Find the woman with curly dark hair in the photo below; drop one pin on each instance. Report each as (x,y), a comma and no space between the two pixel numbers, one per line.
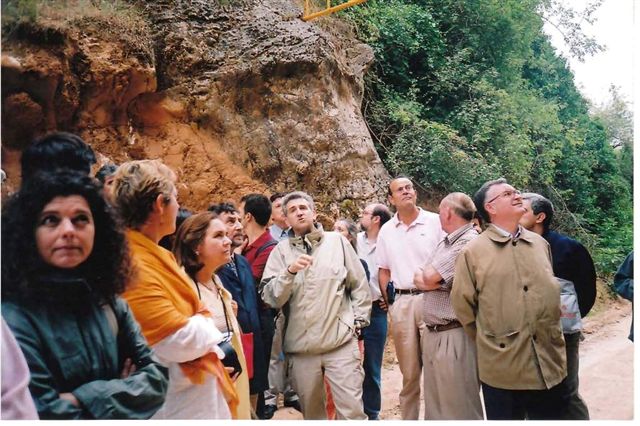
(64,262)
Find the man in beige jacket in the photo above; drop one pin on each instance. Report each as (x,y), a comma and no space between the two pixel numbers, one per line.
(320,284)
(506,297)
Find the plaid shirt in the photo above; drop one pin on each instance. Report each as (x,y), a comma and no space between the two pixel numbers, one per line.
(436,304)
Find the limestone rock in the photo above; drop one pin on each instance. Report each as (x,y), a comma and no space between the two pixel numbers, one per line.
(237,98)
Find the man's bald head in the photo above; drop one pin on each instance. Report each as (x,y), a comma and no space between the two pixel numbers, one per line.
(461,204)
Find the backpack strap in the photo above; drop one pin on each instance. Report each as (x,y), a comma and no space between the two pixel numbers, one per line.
(265,246)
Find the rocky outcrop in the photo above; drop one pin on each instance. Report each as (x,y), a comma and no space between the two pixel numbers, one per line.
(238,98)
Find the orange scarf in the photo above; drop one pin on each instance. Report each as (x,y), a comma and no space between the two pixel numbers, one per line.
(162,301)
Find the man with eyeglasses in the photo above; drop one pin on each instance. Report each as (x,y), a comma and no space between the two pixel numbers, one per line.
(405,244)
(571,262)
(374,335)
(507,299)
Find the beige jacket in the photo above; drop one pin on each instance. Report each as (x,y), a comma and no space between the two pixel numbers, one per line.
(324,303)
(242,382)
(506,297)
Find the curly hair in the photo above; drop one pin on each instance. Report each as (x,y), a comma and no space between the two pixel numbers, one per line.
(106,270)
(136,186)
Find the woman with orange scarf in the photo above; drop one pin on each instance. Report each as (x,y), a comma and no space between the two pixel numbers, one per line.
(201,247)
(179,329)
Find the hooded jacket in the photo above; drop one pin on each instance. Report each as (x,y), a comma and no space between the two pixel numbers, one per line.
(324,303)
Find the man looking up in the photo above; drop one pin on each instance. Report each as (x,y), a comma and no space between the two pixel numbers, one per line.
(405,243)
(572,262)
(237,278)
(451,386)
(508,300)
(375,335)
(279,226)
(319,281)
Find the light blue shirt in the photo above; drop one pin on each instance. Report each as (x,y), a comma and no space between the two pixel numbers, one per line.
(278,233)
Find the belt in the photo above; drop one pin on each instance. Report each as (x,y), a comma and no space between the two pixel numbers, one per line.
(445,327)
(409,291)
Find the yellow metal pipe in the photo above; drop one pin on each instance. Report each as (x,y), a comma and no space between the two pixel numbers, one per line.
(331,10)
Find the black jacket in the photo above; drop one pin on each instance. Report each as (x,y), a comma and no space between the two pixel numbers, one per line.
(243,290)
(572,262)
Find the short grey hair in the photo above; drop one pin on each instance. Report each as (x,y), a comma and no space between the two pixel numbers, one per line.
(540,204)
(294,196)
(480,197)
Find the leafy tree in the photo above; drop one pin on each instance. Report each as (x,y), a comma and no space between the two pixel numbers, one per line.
(463,91)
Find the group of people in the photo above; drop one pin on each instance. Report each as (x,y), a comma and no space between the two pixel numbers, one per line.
(120,304)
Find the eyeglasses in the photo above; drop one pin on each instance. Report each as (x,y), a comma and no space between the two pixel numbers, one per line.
(509,193)
(365,213)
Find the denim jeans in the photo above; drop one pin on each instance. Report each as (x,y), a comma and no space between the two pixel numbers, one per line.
(374,336)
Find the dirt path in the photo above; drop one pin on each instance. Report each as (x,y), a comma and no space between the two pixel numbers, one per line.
(606,365)
(606,368)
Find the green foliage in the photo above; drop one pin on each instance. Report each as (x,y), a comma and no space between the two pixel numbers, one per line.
(464,91)
(445,153)
(116,20)
(14,10)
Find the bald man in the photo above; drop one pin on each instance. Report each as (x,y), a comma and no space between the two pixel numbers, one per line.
(450,372)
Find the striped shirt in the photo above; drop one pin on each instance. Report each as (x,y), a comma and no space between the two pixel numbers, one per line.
(436,304)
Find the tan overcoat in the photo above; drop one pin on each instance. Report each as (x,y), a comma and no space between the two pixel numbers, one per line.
(505,295)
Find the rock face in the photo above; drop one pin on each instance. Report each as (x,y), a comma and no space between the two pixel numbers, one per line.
(238,98)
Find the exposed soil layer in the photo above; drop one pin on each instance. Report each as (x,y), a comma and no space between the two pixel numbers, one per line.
(236,99)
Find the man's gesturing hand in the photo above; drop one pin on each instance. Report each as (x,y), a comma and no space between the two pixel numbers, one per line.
(302,262)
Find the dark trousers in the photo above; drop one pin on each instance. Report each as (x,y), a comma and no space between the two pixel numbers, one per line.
(267,330)
(507,404)
(577,409)
(374,337)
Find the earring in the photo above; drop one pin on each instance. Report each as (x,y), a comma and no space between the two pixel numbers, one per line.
(197,253)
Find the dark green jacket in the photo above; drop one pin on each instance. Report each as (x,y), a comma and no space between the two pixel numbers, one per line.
(77,352)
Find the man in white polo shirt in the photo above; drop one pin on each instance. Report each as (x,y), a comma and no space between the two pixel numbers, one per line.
(405,244)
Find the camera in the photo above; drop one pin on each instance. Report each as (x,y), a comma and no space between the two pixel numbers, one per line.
(230,356)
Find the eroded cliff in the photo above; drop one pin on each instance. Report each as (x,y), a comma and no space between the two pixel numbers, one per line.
(236,98)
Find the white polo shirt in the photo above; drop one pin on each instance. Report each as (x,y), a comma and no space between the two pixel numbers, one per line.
(367,252)
(403,249)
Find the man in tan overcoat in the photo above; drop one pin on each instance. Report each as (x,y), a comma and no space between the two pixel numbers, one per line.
(507,299)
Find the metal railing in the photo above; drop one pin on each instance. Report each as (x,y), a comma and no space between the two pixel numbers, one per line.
(309,14)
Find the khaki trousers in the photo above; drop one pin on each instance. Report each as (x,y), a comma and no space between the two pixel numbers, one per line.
(344,373)
(407,329)
(451,383)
